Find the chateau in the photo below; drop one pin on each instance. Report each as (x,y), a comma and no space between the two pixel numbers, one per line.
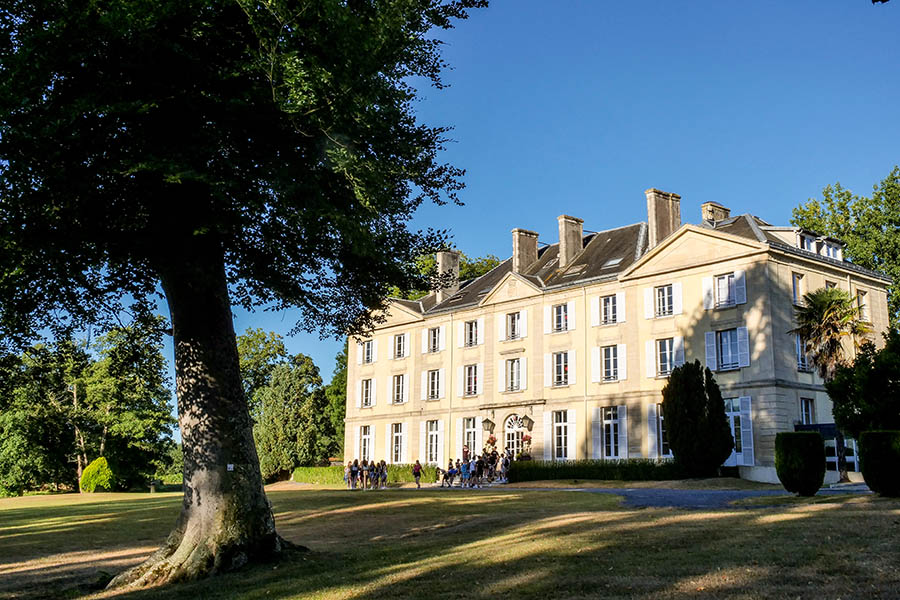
(562,351)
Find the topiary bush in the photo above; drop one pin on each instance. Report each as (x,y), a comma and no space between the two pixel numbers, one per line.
(800,461)
(879,456)
(97,477)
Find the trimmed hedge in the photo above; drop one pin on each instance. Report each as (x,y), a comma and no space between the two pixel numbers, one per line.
(97,477)
(633,469)
(879,457)
(800,461)
(335,475)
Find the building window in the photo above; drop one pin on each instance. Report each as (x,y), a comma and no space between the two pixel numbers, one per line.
(725,295)
(727,349)
(733,414)
(862,306)
(665,356)
(610,416)
(561,317)
(610,363)
(664,301)
(661,434)
(368,351)
(832,251)
(471,333)
(560,435)
(808,243)
(515,434)
(513,332)
(797,288)
(469,434)
(431,447)
(830,284)
(434,339)
(396,442)
(807,411)
(365,442)
(434,384)
(608,310)
(399,345)
(560,368)
(471,380)
(398,393)
(802,358)
(366,392)
(513,375)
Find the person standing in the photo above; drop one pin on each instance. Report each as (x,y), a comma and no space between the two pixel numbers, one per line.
(364,475)
(354,474)
(383,474)
(347,473)
(417,474)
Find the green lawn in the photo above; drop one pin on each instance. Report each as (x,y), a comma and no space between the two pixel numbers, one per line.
(482,543)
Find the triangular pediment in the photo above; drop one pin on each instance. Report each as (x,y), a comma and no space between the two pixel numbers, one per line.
(512,287)
(692,246)
(398,314)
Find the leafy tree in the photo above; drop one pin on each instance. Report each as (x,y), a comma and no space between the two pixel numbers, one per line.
(694,412)
(826,318)
(866,393)
(336,393)
(170,467)
(426,265)
(259,352)
(261,153)
(870,226)
(98,476)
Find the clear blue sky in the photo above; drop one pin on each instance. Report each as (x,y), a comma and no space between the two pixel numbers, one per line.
(578,107)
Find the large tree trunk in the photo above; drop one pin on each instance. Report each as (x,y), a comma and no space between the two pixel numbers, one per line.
(226,520)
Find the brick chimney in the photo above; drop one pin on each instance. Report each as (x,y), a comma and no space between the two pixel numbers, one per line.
(663,215)
(713,211)
(525,249)
(570,238)
(448,262)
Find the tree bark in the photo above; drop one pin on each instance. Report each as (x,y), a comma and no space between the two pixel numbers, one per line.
(226,520)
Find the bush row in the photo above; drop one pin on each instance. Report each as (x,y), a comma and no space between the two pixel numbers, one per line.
(335,475)
(633,469)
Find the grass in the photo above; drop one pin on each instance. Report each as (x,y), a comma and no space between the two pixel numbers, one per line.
(491,543)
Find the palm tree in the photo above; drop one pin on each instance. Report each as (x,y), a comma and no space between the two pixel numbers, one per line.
(826,317)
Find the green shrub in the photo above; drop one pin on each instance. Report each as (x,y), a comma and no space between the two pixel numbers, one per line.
(879,456)
(636,469)
(97,477)
(335,475)
(800,461)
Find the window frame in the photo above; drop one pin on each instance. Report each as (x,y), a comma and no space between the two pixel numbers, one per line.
(609,310)
(662,434)
(730,299)
(610,423)
(432,441)
(609,355)
(797,288)
(803,364)
(560,317)
(434,384)
(669,352)
(368,352)
(400,345)
(862,306)
(398,383)
(470,380)
(560,361)
(513,327)
(396,443)
(664,300)
(365,442)
(470,434)
(560,435)
(434,340)
(733,350)
(513,374)
(470,334)
(807,411)
(366,393)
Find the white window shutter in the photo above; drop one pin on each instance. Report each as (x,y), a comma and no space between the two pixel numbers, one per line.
(621,356)
(623,432)
(407,383)
(374,389)
(677,302)
(440,448)
(620,307)
(711,360)
(570,315)
(595,311)
(648,303)
(359,353)
(374,350)
(523,373)
(357,449)
(548,370)
(596,433)
(460,382)
(740,288)
(424,391)
(459,437)
(460,333)
(424,341)
(708,299)
(650,354)
(746,432)
(480,325)
(743,347)
(389,387)
(422,438)
(388,444)
(571,435)
(404,442)
(501,327)
(406,345)
(596,365)
(678,343)
(523,323)
(479,436)
(359,393)
(652,447)
(479,378)
(441,383)
(573,360)
(548,326)
(500,377)
(442,337)
(548,435)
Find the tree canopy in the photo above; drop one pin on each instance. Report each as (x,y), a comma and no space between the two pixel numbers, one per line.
(426,265)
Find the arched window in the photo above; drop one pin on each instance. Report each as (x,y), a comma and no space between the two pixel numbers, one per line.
(515,429)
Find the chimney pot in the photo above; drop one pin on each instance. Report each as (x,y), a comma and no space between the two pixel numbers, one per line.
(713,211)
(663,215)
(448,262)
(525,249)
(570,238)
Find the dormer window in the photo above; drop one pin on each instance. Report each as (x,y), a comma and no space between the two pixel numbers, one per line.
(831,250)
(807,242)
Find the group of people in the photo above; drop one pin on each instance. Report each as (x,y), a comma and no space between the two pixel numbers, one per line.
(368,475)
